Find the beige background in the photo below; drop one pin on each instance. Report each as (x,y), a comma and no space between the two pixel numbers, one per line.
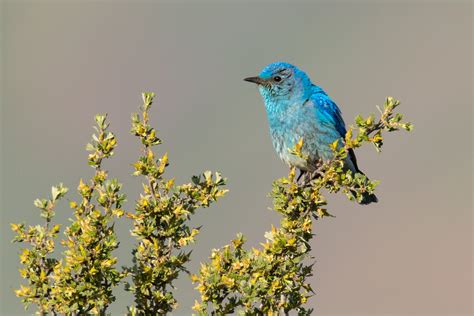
(411,254)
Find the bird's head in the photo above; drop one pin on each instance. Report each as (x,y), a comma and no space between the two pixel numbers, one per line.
(282,81)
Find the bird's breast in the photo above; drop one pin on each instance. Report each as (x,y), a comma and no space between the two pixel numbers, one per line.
(285,134)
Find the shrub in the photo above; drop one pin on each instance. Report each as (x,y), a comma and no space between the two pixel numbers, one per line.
(82,279)
(270,280)
(274,278)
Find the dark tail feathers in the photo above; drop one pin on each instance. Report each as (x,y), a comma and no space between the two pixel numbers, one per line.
(368,198)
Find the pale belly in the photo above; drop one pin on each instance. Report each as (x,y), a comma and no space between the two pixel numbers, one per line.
(284,144)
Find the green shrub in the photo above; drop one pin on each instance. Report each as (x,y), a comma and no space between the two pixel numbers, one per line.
(270,280)
(82,280)
(274,279)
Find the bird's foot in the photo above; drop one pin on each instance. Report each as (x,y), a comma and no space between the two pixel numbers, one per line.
(306,179)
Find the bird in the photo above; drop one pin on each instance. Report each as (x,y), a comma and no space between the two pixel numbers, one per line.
(298,109)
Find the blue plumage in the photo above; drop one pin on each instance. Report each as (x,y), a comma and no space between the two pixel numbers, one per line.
(296,108)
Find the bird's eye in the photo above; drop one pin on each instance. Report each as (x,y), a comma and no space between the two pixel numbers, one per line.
(277,78)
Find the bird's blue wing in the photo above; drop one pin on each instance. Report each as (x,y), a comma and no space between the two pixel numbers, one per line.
(332,115)
(329,109)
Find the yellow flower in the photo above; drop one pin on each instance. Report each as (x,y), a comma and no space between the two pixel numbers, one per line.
(194,278)
(237,265)
(230,282)
(291,242)
(197,306)
(23,291)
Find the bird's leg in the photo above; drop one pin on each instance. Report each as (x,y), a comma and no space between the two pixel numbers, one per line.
(317,172)
(307,178)
(302,172)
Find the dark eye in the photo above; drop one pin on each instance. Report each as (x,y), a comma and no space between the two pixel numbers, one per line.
(277,78)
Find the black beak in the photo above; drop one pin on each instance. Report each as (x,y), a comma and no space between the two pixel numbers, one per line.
(256,80)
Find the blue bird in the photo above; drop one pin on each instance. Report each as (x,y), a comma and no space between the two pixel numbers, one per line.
(296,108)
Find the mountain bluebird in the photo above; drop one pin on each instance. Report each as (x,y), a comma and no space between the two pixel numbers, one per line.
(296,108)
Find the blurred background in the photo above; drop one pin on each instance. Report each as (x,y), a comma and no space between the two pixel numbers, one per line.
(410,254)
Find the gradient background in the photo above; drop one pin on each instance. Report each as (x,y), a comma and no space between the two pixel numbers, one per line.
(410,254)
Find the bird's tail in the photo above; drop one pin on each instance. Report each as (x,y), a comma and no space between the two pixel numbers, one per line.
(351,164)
(365,199)
(368,198)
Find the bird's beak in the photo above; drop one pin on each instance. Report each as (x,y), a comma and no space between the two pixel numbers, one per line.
(256,80)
